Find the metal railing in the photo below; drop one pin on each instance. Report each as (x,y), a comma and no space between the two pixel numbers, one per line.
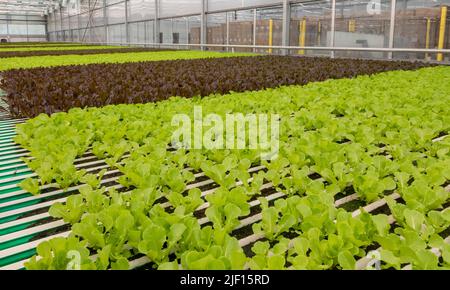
(278,47)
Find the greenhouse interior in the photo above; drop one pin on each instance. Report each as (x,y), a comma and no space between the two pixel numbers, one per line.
(224,135)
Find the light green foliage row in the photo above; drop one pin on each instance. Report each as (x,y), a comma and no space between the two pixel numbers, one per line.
(65,60)
(61,48)
(31,44)
(373,133)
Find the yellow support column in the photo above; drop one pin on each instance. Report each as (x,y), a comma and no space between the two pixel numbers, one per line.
(427,36)
(270,35)
(352,25)
(302,36)
(442,25)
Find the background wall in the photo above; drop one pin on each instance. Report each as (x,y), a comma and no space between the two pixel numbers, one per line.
(357,23)
(22,27)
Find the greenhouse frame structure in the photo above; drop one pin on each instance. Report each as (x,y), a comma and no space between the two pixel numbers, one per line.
(387,29)
(360,180)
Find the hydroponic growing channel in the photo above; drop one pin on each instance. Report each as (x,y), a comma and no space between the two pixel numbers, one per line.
(363,165)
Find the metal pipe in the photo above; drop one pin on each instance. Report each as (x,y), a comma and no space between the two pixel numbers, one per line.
(60,23)
(247,7)
(78,28)
(319,32)
(70,29)
(204,27)
(187,30)
(427,37)
(392,27)
(105,20)
(156,25)
(228,29)
(321,48)
(47,34)
(26,24)
(286,24)
(54,24)
(127,30)
(91,13)
(89,24)
(333,25)
(442,31)
(254,30)
(171,30)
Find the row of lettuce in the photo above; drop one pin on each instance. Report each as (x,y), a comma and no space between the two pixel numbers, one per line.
(184,74)
(13,63)
(371,135)
(12,52)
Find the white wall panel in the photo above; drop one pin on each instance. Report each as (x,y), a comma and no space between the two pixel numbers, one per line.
(179,7)
(141,10)
(233,4)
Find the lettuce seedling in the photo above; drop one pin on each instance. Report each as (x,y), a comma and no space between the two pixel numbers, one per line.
(30,185)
